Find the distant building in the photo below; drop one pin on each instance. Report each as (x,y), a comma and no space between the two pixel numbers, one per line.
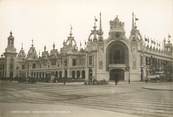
(126,58)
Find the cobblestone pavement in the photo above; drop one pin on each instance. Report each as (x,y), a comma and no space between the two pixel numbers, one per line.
(131,99)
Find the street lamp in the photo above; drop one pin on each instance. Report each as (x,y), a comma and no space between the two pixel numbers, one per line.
(128,69)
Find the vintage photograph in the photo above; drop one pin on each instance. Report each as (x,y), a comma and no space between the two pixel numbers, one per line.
(86,58)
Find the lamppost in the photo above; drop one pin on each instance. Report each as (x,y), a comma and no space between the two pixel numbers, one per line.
(128,69)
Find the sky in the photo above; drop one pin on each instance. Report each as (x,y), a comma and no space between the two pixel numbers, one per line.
(48,21)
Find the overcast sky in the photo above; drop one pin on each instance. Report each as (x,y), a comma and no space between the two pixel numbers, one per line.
(48,21)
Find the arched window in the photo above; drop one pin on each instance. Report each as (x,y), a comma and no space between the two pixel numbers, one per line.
(73,74)
(78,74)
(83,74)
(33,65)
(60,74)
(65,75)
(56,73)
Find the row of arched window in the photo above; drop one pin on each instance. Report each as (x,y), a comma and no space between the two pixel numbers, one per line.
(59,74)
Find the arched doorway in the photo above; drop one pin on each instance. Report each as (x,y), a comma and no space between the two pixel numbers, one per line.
(78,74)
(116,74)
(73,74)
(117,59)
(83,74)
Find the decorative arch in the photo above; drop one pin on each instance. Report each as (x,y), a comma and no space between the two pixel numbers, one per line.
(117,52)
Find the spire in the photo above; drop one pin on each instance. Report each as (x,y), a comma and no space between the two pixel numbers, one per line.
(133,21)
(39,54)
(11,33)
(32,43)
(53,45)
(100,28)
(134,27)
(169,37)
(71,31)
(95,20)
(44,48)
(22,46)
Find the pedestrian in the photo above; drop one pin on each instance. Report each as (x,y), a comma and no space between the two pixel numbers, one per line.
(129,80)
(65,80)
(116,80)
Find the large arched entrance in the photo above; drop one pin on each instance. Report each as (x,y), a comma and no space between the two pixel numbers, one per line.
(117,59)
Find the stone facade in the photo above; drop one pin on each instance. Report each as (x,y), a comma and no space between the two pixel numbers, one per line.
(126,58)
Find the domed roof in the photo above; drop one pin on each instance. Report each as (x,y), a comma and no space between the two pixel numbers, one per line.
(70,44)
(32,54)
(21,53)
(53,52)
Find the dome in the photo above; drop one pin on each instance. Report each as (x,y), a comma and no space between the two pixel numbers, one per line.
(53,52)
(21,54)
(93,35)
(32,54)
(71,42)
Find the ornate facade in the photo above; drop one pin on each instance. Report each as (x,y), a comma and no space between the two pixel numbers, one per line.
(118,56)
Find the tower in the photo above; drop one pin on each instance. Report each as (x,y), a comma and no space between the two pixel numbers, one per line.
(100,32)
(10,58)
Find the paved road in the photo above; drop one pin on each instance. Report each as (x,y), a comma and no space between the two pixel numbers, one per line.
(130,99)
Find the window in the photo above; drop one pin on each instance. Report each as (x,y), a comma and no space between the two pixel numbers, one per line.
(23,66)
(11,66)
(90,60)
(73,62)
(65,62)
(60,74)
(73,74)
(78,74)
(33,66)
(56,74)
(53,62)
(83,74)
(65,75)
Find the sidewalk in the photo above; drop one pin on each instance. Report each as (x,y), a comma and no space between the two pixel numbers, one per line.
(168,86)
(51,110)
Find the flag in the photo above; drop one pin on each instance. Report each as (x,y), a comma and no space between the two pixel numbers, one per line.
(136,19)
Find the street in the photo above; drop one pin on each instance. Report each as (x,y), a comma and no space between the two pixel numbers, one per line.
(129,99)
